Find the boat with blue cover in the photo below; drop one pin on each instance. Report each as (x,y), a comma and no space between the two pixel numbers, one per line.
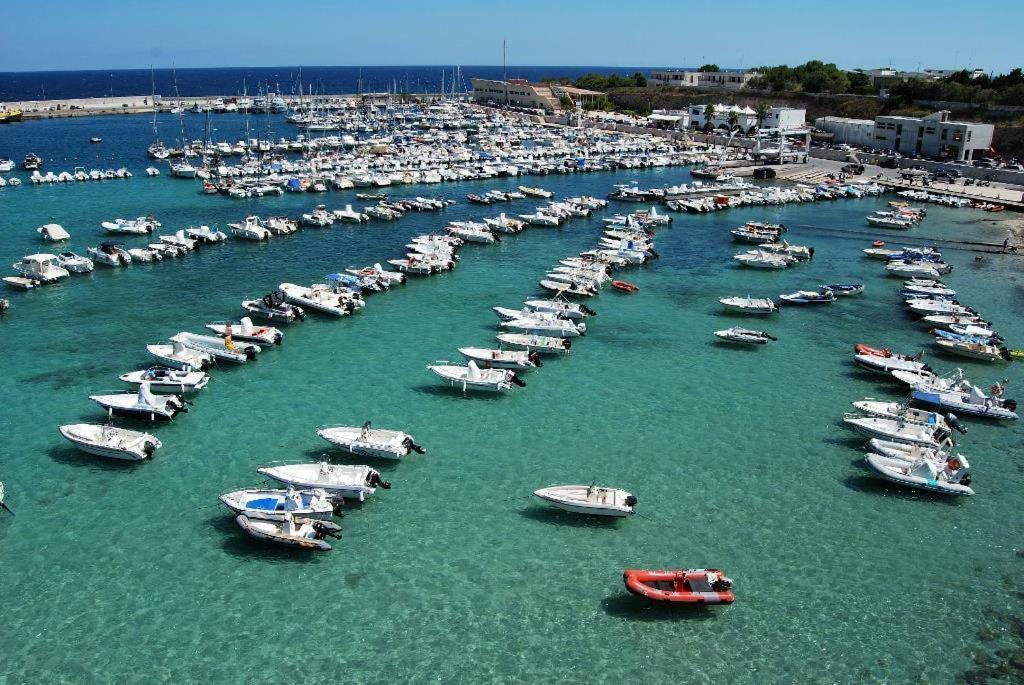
(271,504)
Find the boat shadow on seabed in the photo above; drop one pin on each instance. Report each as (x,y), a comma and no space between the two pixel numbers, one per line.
(70,456)
(873,485)
(564,518)
(625,605)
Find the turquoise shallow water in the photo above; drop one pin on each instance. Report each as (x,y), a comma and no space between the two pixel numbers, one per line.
(132,573)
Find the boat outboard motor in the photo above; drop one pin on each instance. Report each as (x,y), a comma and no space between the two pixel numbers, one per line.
(631,501)
(954,421)
(652,254)
(410,445)
(1010,405)
(250,352)
(587,310)
(567,344)
(327,529)
(375,481)
(518,381)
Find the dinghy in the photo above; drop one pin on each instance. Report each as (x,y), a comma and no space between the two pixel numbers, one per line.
(901,412)
(271,505)
(75,263)
(319,298)
(179,356)
(935,437)
(546,324)
(303,533)
(110,254)
(472,377)
(351,482)
(951,477)
(244,330)
(371,442)
(625,286)
(569,288)
(274,307)
(589,499)
(749,305)
(690,586)
(844,289)
(166,379)
(536,343)
(745,336)
(142,405)
(501,359)
(958,394)
(887,365)
(821,296)
(110,441)
(222,349)
(562,308)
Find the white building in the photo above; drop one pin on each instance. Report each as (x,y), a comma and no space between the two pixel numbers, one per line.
(723,80)
(782,118)
(857,132)
(933,136)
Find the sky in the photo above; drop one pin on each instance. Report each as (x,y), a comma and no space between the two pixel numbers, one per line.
(908,34)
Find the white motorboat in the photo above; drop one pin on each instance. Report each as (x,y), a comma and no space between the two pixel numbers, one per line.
(204,234)
(749,305)
(477,233)
(179,240)
(251,229)
(887,365)
(270,505)
(594,500)
(536,343)
(274,307)
(561,308)
(472,377)
(110,254)
(959,394)
(291,531)
(546,324)
(901,412)
(377,271)
(53,233)
(414,265)
(929,306)
(319,297)
(181,357)
(18,282)
(110,441)
(140,226)
(503,224)
(167,379)
(518,360)
(281,225)
(762,260)
(246,331)
(950,477)
(745,336)
(541,219)
(349,215)
(895,430)
(145,254)
(975,350)
(318,218)
(143,404)
(219,348)
(563,288)
(41,268)
(74,263)
(367,441)
(351,482)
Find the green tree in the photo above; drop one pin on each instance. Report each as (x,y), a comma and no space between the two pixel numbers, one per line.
(860,83)
(761,111)
(709,114)
(734,120)
(711,66)
(640,79)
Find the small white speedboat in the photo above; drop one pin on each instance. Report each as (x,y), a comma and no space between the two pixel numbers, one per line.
(271,505)
(951,477)
(371,442)
(110,254)
(143,404)
(110,441)
(140,226)
(519,360)
(749,305)
(562,308)
(352,482)
(472,377)
(299,532)
(895,430)
(887,365)
(902,412)
(222,349)
(319,297)
(541,344)
(745,336)
(589,499)
(547,325)
(74,263)
(179,356)
(245,330)
(167,379)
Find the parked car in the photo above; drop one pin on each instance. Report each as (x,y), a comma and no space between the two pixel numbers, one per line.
(855,169)
(889,163)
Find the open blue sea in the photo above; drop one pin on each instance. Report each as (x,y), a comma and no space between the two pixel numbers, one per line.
(133,573)
(34,85)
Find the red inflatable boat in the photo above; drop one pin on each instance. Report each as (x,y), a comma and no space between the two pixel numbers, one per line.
(692,586)
(625,286)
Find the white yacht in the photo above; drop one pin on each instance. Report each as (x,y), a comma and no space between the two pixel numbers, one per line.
(42,268)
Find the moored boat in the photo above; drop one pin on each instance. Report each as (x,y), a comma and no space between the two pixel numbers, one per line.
(110,441)
(690,586)
(592,500)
